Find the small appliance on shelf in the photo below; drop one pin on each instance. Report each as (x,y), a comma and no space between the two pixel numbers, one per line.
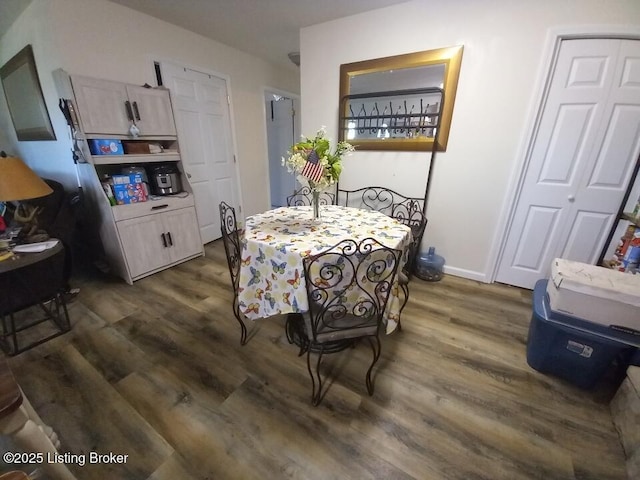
(165,179)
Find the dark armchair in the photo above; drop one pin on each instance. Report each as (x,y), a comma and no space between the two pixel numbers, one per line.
(56,217)
(32,289)
(37,283)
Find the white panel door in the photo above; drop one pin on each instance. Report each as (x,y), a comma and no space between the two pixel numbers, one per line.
(581,162)
(201,107)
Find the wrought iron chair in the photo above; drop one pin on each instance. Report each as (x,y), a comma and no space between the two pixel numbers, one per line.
(231,240)
(409,212)
(381,199)
(348,286)
(303,196)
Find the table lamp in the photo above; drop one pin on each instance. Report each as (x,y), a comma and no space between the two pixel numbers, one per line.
(19,182)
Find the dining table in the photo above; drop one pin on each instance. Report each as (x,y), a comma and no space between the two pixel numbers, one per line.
(274,244)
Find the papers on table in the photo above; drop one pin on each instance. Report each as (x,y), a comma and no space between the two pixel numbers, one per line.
(35,247)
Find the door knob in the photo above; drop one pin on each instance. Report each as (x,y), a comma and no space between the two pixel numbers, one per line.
(571,198)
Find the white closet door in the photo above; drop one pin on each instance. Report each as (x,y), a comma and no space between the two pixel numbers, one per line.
(586,145)
(201,107)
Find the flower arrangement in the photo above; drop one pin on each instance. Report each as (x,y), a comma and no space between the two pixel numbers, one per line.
(318,151)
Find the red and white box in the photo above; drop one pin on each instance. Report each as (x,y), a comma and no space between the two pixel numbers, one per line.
(128,189)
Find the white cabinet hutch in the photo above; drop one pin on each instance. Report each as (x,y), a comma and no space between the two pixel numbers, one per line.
(138,239)
(110,108)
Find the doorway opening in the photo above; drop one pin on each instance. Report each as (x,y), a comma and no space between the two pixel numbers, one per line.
(202,110)
(283,127)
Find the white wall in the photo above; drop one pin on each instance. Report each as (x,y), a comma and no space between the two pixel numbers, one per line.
(502,67)
(105,40)
(4,143)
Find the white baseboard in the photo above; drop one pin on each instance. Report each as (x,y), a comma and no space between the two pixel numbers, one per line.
(470,274)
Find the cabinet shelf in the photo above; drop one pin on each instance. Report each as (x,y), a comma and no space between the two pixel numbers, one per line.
(630,218)
(149,158)
(622,215)
(149,138)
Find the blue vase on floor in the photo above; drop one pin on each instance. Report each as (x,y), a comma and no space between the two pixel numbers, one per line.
(430,266)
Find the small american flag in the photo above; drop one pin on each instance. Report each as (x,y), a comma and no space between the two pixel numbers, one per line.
(312,169)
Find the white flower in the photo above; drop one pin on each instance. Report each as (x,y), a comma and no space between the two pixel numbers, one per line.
(330,161)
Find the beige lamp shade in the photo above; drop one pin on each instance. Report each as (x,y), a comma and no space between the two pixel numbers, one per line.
(19,182)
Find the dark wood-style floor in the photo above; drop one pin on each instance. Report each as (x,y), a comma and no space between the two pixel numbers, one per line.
(155,371)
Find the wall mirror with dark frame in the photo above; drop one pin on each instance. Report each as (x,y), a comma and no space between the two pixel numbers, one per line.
(404,102)
(25,100)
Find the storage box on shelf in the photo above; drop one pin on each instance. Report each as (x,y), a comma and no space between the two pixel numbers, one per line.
(129,189)
(141,147)
(105,147)
(142,237)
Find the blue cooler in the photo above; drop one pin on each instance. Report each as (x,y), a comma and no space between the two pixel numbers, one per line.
(572,348)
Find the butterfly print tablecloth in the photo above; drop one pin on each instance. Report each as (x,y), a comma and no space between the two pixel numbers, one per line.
(275,242)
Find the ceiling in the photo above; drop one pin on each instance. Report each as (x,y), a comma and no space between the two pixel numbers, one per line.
(269,29)
(9,11)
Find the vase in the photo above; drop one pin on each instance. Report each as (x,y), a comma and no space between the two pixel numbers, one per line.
(315,204)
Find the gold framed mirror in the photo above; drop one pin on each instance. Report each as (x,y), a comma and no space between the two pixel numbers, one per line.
(404,102)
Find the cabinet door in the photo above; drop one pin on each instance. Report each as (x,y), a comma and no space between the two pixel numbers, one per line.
(101,105)
(142,244)
(152,110)
(184,235)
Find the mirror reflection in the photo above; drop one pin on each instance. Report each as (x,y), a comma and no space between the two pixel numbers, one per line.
(403,102)
(400,79)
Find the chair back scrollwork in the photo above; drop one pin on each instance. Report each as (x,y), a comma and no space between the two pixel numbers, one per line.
(409,213)
(407,210)
(303,197)
(348,286)
(231,240)
(232,248)
(380,199)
